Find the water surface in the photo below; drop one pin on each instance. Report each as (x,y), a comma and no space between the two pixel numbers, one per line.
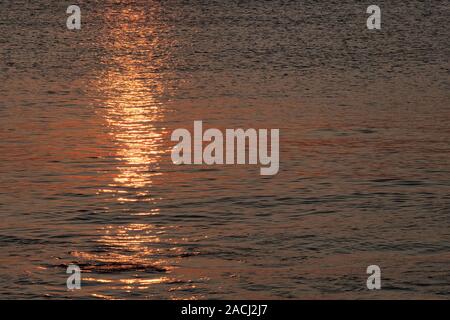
(86,175)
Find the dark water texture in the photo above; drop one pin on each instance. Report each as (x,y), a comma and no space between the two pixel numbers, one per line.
(86,175)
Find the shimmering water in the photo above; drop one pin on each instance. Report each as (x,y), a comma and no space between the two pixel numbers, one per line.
(86,175)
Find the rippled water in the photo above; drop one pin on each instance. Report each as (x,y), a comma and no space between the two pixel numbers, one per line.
(86,175)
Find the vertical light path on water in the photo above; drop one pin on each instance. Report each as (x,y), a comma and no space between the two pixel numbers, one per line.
(125,94)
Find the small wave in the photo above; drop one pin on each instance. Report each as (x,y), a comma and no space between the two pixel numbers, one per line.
(112,267)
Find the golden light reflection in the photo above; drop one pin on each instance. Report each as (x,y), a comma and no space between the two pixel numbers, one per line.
(133,247)
(133,283)
(132,256)
(130,89)
(131,114)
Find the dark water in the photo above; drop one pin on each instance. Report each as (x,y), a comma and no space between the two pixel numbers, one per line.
(86,175)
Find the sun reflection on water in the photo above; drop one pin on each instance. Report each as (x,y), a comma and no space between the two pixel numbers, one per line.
(131,113)
(136,255)
(130,88)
